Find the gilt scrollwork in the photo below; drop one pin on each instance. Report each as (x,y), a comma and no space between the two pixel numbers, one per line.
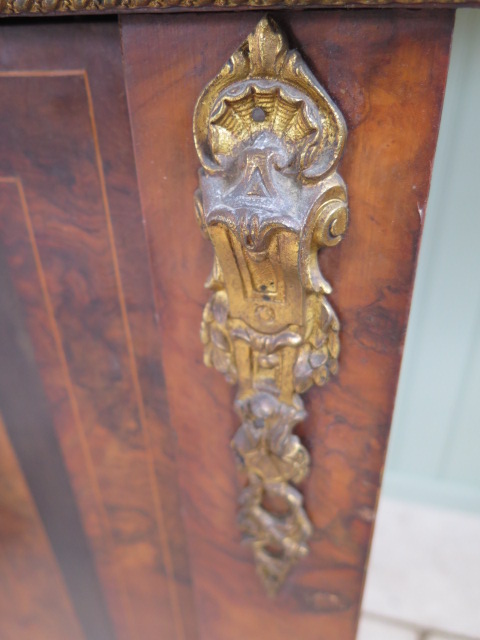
(269,139)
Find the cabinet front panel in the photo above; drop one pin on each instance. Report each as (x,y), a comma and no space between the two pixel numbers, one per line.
(87,414)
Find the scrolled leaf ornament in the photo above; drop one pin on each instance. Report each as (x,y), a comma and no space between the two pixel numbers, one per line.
(269,139)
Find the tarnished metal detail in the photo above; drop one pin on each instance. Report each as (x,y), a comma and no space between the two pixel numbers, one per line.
(269,139)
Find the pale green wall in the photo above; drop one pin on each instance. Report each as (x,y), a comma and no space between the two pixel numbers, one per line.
(434,452)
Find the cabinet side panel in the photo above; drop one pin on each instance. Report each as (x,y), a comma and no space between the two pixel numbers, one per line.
(386,70)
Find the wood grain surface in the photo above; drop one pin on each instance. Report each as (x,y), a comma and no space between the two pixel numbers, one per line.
(33,598)
(386,71)
(42,490)
(72,234)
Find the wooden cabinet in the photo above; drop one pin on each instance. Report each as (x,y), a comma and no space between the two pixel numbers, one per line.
(118,486)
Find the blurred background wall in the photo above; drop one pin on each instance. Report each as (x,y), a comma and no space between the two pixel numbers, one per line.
(434,452)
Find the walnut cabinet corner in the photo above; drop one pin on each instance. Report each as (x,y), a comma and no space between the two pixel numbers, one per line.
(145,153)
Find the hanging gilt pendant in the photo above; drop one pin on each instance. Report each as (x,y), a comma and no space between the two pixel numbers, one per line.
(269,139)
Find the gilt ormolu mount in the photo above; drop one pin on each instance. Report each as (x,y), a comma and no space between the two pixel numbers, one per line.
(269,139)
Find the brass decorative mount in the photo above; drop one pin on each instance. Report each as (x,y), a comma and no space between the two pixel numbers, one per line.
(269,139)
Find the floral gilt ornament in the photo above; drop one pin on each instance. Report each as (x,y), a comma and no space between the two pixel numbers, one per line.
(269,139)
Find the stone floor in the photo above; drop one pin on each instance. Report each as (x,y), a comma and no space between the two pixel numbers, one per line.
(424,575)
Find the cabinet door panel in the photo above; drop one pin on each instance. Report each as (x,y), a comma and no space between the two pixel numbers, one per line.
(92,405)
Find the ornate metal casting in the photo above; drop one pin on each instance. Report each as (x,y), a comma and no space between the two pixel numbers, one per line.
(65,7)
(269,139)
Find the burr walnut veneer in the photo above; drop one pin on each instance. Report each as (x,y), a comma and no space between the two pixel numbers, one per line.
(118,484)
